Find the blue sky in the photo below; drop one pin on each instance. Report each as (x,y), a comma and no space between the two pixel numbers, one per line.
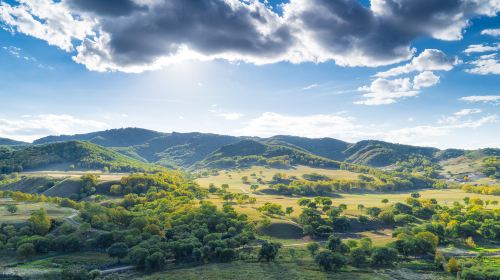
(437,93)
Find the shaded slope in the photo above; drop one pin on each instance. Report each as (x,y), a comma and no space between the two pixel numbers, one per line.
(64,155)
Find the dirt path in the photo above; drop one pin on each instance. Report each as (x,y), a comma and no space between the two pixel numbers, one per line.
(71,218)
(117,269)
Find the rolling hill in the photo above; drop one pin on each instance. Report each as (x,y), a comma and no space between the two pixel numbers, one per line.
(10,142)
(68,155)
(189,150)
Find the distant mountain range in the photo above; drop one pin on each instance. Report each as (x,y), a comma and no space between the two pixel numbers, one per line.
(194,150)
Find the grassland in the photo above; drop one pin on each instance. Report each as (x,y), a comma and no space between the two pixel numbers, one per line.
(298,265)
(75,174)
(44,268)
(352,200)
(25,208)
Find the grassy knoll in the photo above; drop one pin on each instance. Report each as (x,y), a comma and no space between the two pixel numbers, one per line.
(24,210)
(53,265)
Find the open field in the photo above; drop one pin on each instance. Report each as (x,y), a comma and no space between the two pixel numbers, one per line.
(25,208)
(41,268)
(233,177)
(352,200)
(76,174)
(260,271)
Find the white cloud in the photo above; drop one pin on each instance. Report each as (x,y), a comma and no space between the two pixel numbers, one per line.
(383,91)
(349,129)
(139,35)
(425,79)
(485,64)
(31,127)
(491,32)
(458,117)
(495,99)
(46,20)
(310,86)
(427,134)
(231,116)
(15,51)
(466,112)
(479,48)
(428,60)
(321,125)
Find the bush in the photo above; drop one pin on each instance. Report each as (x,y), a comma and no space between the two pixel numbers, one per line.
(330,261)
(26,251)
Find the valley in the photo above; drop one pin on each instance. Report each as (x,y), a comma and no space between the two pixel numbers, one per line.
(134,203)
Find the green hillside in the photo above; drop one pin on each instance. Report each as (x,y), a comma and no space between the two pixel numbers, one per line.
(250,152)
(122,137)
(189,150)
(68,155)
(10,142)
(379,153)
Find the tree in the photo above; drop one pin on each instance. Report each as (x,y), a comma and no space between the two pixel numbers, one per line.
(11,208)
(384,256)
(268,251)
(155,261)
(244,179)
(415,195)
(439,260)
(88,183)
(289,210)
(254,187)
(118,250)
(387,217)
(313,248)
(358,257)
(334,242)
(138,256)
(270,208)
(26,250)
(75,273)
(40,221)
(115,189)
(452,266)
(330,261)
(385,200)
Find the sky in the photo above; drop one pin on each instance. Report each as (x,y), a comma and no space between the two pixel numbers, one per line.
(419,72)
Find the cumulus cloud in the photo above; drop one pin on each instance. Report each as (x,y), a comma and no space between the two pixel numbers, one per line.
(491,32)
(384,91)
(485,65)
(428,60)
(139,35)
(480,48)
(495,99)
(425,79)
(46,20)
(29,128)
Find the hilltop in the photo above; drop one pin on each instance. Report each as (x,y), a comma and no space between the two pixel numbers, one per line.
(68,155)
(199,150)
